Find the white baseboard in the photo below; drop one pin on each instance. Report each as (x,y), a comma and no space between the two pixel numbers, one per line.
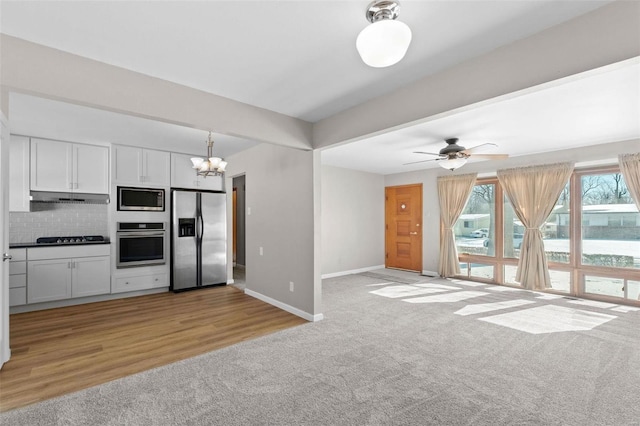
(284,306)
(353,271)
(230,281)
(430,273)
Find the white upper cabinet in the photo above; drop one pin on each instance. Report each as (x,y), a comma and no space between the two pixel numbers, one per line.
(156,166)
(137,166)
(19,174)
(68,167)
(91,169)
(51,165)
(184,176)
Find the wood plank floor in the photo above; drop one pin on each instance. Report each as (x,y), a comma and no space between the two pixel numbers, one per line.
(63,350)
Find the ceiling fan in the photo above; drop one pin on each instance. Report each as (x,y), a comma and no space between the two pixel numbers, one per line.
(454,156)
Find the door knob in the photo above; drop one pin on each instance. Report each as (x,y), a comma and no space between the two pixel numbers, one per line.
(413,233)
(6,256)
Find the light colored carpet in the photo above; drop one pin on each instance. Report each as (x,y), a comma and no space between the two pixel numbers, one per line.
(378,360)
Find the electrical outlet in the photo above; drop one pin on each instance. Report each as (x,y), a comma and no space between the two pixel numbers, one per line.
(261,251)
(290,285)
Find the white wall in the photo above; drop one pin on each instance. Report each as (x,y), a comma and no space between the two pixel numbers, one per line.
(280,218)
(586,156)
(352,220)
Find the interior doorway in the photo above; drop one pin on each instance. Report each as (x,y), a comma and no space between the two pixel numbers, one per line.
(403,227)
(239,231)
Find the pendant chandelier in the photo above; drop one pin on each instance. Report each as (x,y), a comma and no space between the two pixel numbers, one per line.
(210,166)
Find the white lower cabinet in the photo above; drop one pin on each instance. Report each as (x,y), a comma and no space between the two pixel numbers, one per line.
(18,277)
(91,276)
(52,276)
(49,280)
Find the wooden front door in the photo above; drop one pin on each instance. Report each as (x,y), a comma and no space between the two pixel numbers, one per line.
(403,227)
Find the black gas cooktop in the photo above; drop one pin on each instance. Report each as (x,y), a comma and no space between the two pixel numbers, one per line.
(86,239)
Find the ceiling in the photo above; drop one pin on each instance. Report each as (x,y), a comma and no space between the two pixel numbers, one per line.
(598,108)
(298,58)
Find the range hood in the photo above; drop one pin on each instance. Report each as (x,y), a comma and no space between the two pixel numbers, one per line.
(68,197)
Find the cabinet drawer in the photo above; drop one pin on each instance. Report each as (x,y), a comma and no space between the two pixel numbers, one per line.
(17,296)
(18,254)
(140,282)
(159,280)
(16,281)
(88,250)
(17,268)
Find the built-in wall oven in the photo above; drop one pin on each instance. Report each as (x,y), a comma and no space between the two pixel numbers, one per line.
(140,244)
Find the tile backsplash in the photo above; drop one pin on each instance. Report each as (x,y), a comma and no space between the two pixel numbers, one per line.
(58,219)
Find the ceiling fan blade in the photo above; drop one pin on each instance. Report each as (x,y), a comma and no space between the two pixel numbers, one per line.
(428,153)
(491,156)
(473,148)
(422,161)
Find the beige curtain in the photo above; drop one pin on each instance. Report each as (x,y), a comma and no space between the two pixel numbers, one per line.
(453,193)
(630,168)
(533,192)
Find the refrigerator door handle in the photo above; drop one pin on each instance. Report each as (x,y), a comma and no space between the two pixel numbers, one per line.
(200,230)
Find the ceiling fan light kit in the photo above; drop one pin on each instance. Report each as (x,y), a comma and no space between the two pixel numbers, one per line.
(454,156)
(452,163)
(385,41)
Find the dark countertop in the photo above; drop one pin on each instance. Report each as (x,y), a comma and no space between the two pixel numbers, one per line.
(32,245)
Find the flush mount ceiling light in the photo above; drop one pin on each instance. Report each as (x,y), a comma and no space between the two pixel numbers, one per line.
(385,41)
(211,165)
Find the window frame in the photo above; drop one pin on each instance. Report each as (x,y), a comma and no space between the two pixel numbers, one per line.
(576,269)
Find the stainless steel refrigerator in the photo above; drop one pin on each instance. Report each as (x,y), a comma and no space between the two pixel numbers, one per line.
(198,239)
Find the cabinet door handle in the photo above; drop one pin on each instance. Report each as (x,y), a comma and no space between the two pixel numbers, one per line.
(68,265)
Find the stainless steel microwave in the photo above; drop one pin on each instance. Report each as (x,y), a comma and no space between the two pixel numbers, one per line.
(140,199)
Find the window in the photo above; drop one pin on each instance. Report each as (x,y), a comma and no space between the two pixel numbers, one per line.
(556,230)
(475,229)
(610,234)
(513,231)
(594,215)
